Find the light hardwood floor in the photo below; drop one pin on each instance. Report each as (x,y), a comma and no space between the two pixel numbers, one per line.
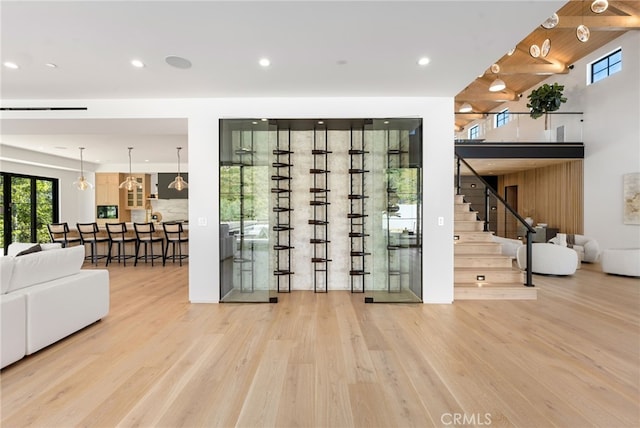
(569,359)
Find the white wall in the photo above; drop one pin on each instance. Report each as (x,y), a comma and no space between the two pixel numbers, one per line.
(612,143)
(203,116)
(610,132)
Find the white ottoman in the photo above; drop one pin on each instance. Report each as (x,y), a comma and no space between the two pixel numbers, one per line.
(621,261)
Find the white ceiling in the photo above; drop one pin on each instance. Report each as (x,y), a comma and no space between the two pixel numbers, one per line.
(316,48)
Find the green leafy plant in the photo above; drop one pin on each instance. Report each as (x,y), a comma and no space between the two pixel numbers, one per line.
(545,99)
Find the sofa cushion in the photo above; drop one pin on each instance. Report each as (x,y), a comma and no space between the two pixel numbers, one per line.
(16,247)
(6,269)
(45,266)
(33,249)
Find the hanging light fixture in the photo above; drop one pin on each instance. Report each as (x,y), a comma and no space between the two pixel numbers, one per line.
(130,183)
(465,108)
(582,31)
(497,85)
(178,183)
(81,183)
(599,6)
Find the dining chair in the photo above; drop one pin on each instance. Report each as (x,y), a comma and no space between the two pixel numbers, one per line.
(59,232)
(174,234)
(89,235)
(118,235)
(145,235)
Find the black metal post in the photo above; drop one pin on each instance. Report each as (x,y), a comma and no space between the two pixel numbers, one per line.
(529,280)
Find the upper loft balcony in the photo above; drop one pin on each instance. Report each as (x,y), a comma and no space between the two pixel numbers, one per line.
(515,135)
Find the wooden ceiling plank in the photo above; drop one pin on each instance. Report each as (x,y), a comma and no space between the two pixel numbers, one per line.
(601,23)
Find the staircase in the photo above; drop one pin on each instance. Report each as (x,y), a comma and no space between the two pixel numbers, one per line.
(481,272)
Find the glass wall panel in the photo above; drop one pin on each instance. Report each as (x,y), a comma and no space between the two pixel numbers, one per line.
(245,236)
(284,182)
(396,202)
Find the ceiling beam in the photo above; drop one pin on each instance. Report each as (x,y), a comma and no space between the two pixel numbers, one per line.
(624,8)
(504,95)
(552,67)
(469,116)
(601,23)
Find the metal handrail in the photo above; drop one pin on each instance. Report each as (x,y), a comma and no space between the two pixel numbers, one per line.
(488,190)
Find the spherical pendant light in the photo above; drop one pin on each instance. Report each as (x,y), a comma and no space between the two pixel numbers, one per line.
(583,33)
(599,6)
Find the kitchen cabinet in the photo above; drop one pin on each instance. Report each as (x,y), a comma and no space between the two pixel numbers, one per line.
(136,198)
(107,191)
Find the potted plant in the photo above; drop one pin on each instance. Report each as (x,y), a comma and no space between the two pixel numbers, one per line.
(545,99)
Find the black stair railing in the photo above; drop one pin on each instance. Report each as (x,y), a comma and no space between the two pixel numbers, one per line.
(488,193)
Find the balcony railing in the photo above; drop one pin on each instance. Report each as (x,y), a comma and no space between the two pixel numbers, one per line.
(555,127)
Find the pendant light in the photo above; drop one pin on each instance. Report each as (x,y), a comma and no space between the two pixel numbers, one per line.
(582,32)
(465,108)
(497,85)
(178,183)
(599,6)
(81,183)
(130,183)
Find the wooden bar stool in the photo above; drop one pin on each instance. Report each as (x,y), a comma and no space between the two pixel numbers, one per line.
(89,235)
(174,235)
(145,235)
(59,232)
(118,235)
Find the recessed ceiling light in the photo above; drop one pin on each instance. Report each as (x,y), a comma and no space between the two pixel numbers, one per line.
(51,65)
(137,63)
(320,122)
(264,120)
(177,62)
(254,123)
(264,62)
(10,64)
(424,61)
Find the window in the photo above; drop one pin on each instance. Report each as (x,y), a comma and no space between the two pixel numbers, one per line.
(474,132)
(606,66)
(28,204)
(502,118)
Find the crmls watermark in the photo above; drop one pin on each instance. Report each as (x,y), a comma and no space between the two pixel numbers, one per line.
(458,419)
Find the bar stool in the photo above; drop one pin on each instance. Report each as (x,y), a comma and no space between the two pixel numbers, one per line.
(89,235)
(118,235)
(145,234)
(59,232)
(174,235)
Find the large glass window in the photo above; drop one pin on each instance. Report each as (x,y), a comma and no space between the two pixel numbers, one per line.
(606,66)
(28,204)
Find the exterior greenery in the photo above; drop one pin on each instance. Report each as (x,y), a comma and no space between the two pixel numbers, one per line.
(24,190)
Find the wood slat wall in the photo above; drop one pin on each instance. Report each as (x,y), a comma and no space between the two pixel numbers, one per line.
(552,195)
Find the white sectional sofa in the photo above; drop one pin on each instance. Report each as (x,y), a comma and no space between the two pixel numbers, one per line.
(46,296)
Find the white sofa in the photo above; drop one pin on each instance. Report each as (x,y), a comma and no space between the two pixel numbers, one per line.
(549,259)
(509,246)
(46,296)
(587,248)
